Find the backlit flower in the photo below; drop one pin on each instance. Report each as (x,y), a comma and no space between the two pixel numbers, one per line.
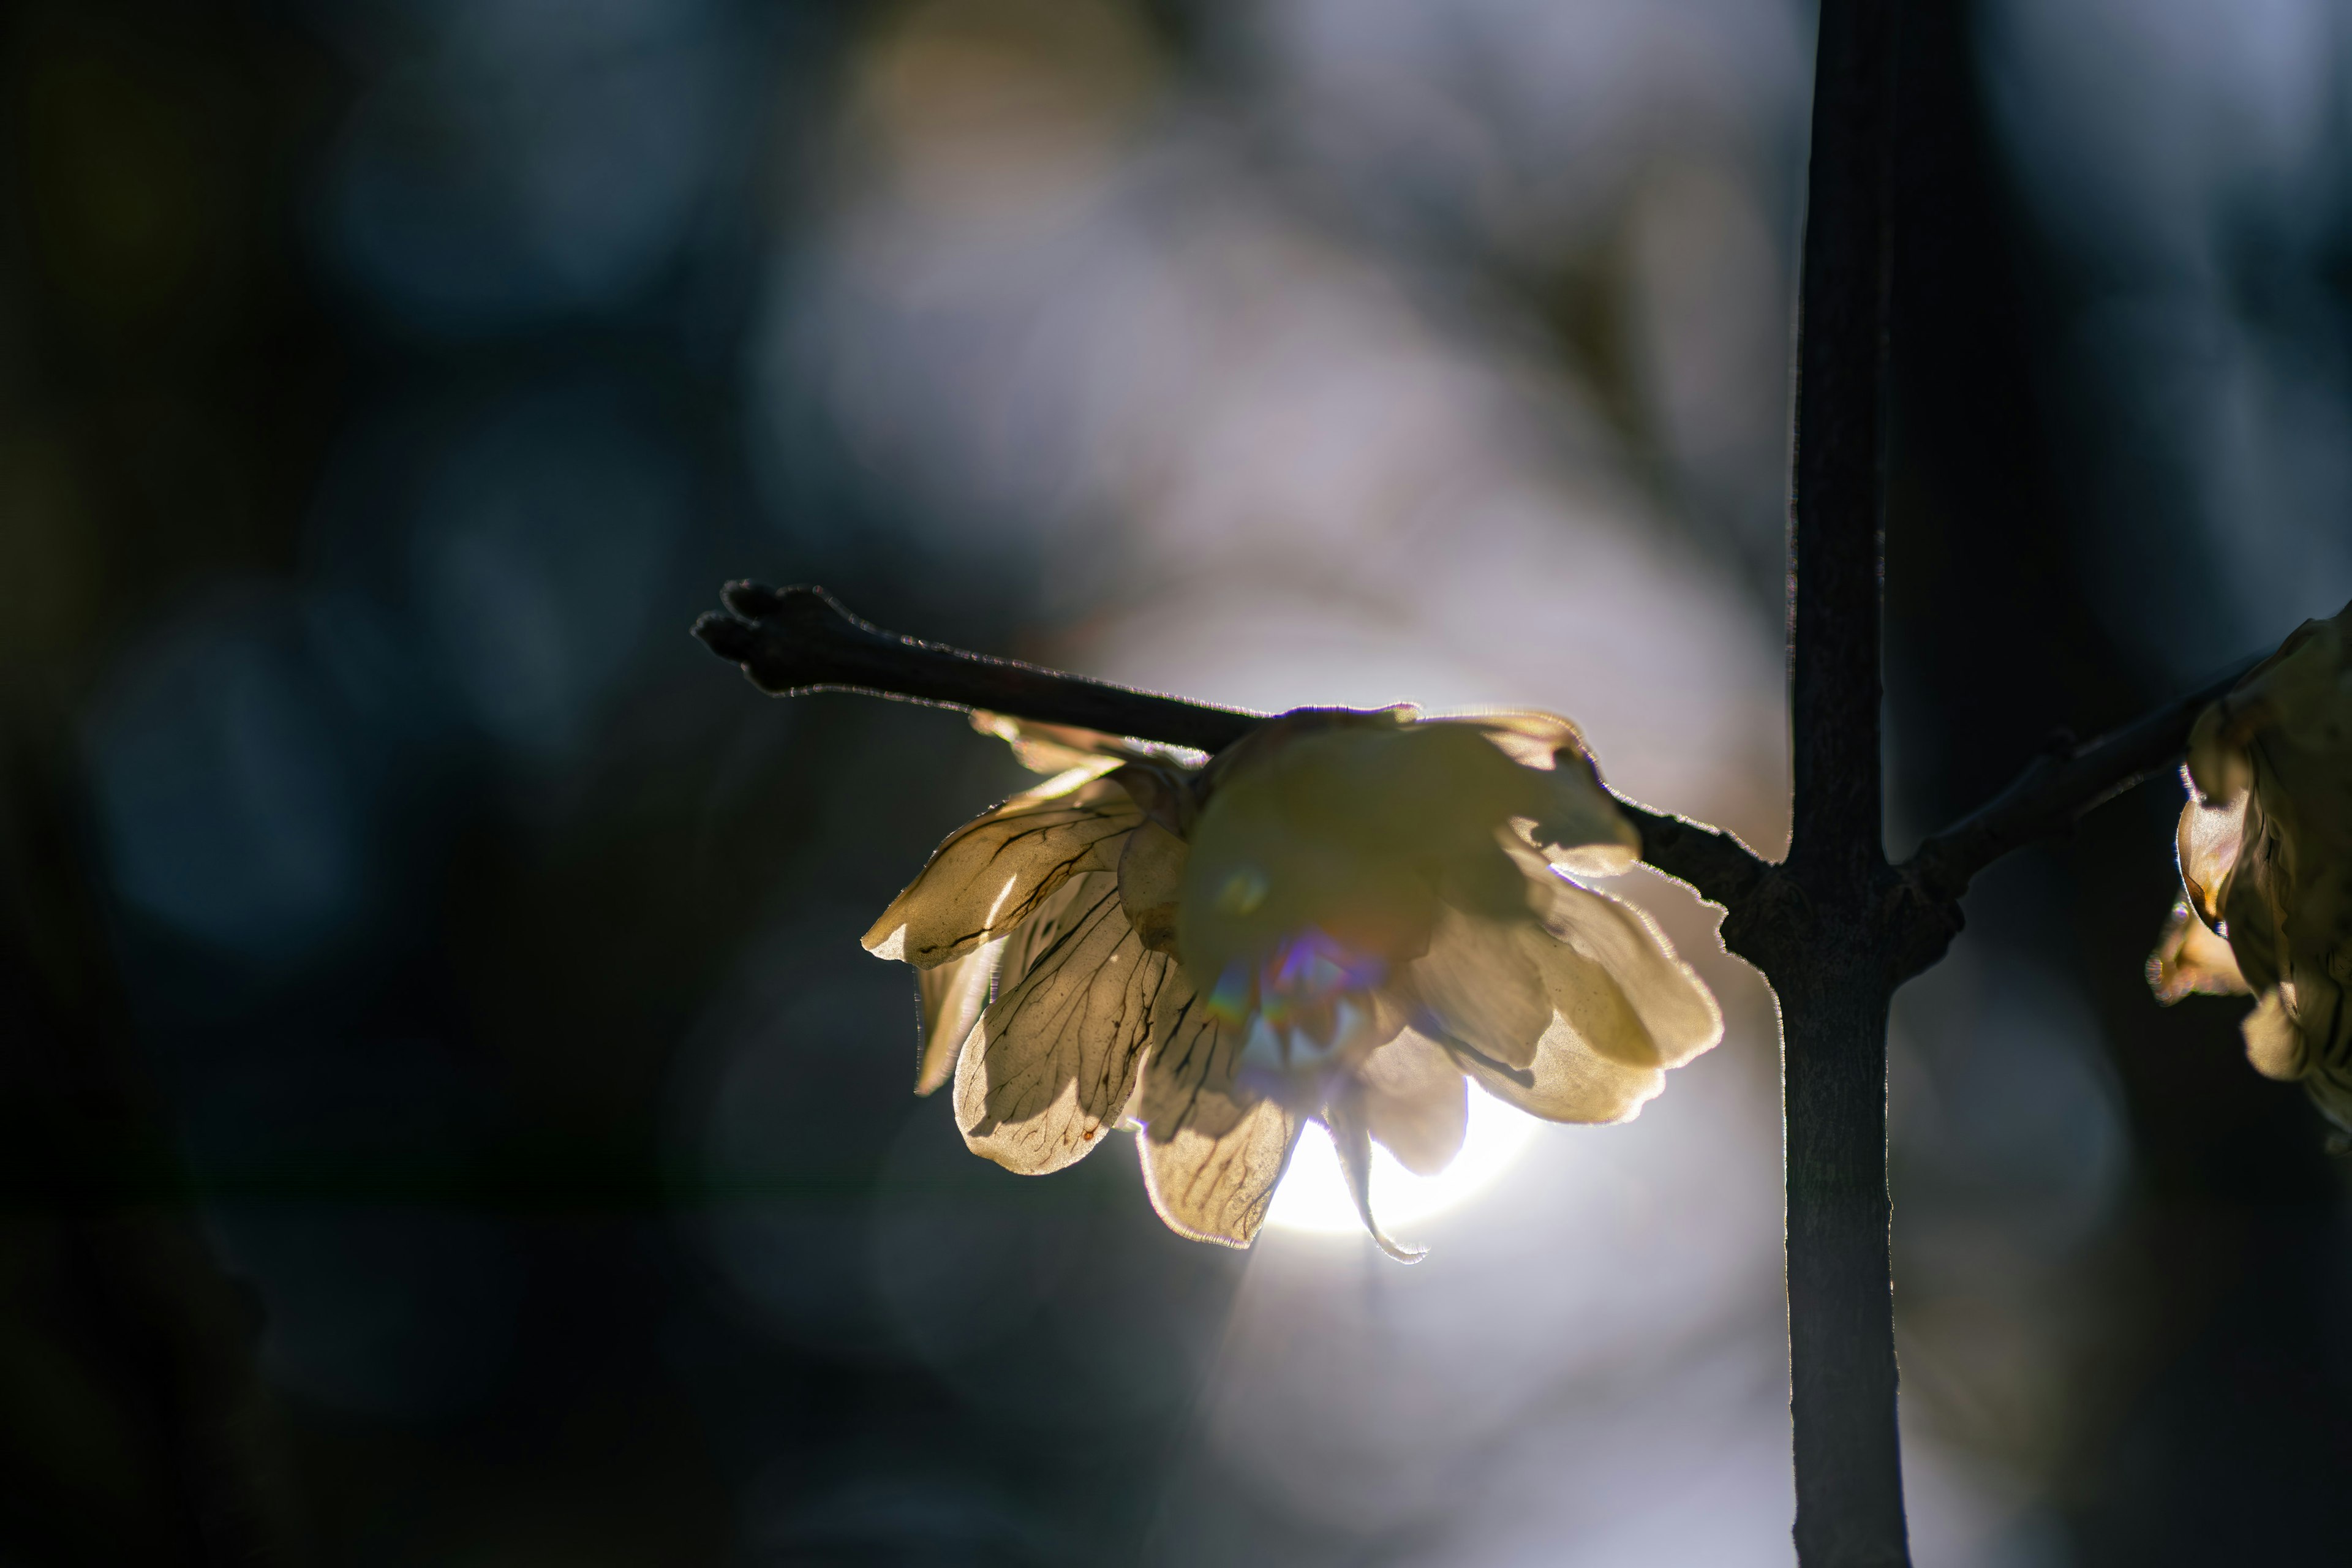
(2265,848)
(1338,917)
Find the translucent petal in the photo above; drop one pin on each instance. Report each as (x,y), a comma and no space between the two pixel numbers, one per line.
(1211,1154)
(994,872)
(1581,830)
(951,995)
(1414,1102)
(1529,736)
(1613,978)
(2191,959)
(1051,747)
(2274,1043)
(1047,748)
(1164,793)
(1568,1081)
(1054,1062)
(2217,768)
(1025,944)
(1351,1137)
(1476,987)
(1150,884)
(2322,1018)
(2282,742)
(2207,842)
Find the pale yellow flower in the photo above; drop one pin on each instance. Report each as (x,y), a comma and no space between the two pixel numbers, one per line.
(2265,851)
(1338,917)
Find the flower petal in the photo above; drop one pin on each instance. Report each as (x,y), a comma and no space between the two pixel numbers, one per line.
(1581,829)
(2217,768)
(1345,1118)
(1475,988)
(1211,1154)
(2274,1043)
(2190,959)
(951,995)
(1023,946)
(1567,1081)
(2208,841)
(2254,913)
(2323,1018)
(994,872)
(1054,1062)
(1050,748)
(1151,884)
(1414,1102)
(1618,983)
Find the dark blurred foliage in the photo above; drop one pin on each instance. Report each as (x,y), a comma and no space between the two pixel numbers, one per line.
(444,1112)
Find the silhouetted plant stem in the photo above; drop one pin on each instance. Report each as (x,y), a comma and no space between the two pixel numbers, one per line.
(1827,944)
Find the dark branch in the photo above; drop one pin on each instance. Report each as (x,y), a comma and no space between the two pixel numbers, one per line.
(795,640)
(800,639)
(1823,939)
(2057,788)
(1715,865)
(1838,470)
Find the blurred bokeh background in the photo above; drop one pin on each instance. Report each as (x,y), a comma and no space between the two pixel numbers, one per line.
(445,1113)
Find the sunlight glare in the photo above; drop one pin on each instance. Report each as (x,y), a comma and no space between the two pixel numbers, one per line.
(1314,1193)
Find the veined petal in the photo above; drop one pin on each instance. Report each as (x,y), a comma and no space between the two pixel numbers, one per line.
(1351,1138)
(994,873)
(951,995)
(1022,947)
(1211,1154)
(1151,884)
(1054,1062)
(2190,958)
(1414,1102)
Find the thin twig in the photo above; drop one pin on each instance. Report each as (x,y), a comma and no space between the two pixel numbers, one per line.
(801,639)
(2056,789)
(1715,865)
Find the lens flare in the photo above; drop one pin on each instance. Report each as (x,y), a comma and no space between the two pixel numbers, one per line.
(1314,1193)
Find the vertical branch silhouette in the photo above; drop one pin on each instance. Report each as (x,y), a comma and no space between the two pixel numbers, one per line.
(1826,943)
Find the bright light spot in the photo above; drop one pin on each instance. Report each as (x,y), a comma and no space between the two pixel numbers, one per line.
(1314,1191)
